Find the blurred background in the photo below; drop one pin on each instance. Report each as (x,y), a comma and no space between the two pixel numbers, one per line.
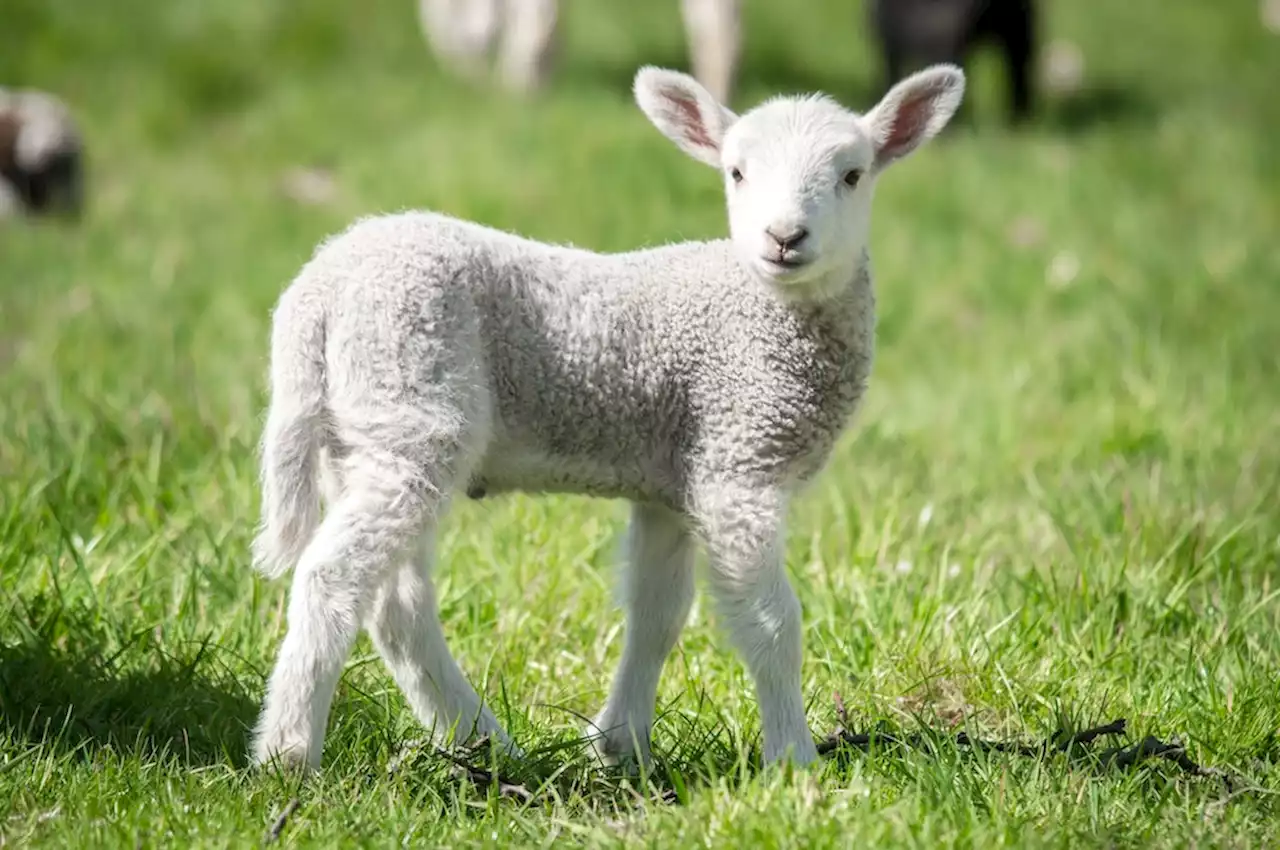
(221,140)
(1066,469)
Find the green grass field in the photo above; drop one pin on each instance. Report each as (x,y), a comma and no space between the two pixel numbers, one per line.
(1058,506)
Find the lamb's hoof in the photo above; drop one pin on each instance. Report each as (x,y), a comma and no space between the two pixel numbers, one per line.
(288,761)
(615,749)
(287,756)
(800,755)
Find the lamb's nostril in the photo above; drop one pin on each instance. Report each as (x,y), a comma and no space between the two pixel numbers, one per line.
(787,238)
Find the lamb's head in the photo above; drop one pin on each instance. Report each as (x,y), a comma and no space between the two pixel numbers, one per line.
(799,172)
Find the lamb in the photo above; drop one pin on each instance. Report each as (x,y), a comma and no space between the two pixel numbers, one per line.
(416,356)
(462,32)
(41,156)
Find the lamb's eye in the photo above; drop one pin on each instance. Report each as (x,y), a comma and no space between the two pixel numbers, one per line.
(852,176)
(736,174)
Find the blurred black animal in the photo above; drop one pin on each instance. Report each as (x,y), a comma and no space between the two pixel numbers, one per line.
(912,33)
(41,156)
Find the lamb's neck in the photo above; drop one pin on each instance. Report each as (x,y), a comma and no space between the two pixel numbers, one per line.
(845,309)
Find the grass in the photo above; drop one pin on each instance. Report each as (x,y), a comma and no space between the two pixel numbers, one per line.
(1059,504)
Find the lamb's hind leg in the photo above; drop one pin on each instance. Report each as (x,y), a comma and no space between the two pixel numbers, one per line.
(382,506)
(405,626)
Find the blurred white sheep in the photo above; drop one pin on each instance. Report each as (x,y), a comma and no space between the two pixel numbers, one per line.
(463,33)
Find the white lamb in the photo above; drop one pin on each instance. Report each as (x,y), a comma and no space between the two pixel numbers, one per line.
(416,356)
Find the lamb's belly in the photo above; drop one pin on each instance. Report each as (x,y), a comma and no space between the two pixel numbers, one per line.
(509,467)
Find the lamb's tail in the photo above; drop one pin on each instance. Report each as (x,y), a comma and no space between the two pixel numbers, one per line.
(292,437)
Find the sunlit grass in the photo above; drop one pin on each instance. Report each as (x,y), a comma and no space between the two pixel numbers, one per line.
(1059,504)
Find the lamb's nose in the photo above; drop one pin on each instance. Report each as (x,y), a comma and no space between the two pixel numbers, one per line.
(787,238)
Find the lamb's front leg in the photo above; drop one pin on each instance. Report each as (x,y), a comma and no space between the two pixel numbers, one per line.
(744,535)
(656,589)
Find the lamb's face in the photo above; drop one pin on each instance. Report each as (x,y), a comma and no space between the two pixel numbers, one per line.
(799,172)
(798,177)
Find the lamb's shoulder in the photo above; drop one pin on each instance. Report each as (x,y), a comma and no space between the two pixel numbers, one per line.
(770,383)
(784,383)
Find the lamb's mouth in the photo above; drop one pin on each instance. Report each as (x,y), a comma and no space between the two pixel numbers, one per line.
(784,264)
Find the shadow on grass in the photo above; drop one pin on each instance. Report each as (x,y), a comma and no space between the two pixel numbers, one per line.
(691,751)
(82,686)
(703,750)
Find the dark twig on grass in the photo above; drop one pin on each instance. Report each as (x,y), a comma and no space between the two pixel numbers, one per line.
(1088,736)
(1054,744)
(1118,757)
(1174,751)
(844,738)
(277,827)
(487,778)
(463,768)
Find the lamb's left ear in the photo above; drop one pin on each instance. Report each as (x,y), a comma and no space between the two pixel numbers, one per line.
(684,111)
(914,111)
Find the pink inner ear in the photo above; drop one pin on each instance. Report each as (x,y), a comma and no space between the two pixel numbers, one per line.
(909,121)
(689,118)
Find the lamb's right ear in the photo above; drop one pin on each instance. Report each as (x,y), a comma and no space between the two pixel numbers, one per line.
(684,111)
